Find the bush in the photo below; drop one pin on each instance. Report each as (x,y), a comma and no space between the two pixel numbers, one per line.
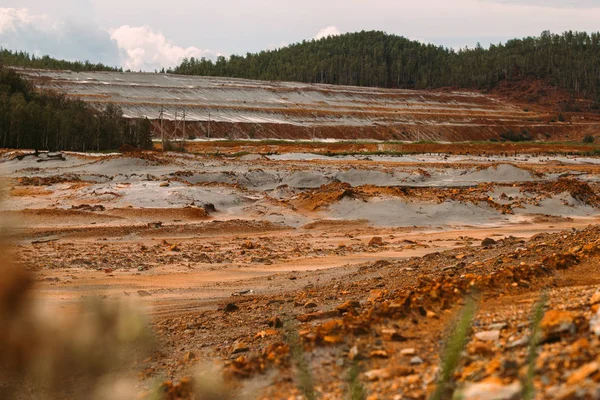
(588,139)
(513,136)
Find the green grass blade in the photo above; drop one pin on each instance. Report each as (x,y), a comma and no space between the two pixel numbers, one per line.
(532,354)
(452,352)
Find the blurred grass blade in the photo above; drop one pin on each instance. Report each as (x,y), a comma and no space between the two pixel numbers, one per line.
(532,353)
(356,389)
(304,376)
(453,349)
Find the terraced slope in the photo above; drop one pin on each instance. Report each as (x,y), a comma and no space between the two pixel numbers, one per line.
(238,108)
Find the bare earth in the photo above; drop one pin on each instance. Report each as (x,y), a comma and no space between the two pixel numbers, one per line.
(369,257)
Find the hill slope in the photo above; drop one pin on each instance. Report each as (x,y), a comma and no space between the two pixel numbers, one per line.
(570,61)
(240,108)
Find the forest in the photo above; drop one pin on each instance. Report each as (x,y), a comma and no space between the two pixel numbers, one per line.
(570,61)
(26,60)
(49,121)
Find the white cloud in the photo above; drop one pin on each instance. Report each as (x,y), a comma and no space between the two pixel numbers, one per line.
(327,31)
(12,19)
(147,50)
(130,47)
(66,39)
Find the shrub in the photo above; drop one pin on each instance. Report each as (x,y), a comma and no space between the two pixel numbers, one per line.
(513,136)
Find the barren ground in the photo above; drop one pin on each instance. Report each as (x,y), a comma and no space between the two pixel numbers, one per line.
(369,256)
(239,108)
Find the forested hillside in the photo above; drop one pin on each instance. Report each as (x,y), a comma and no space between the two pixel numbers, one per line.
(26,60)
(570,61)
(48,121)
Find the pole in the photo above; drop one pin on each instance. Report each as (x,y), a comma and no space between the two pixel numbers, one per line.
(209,123)
(183,136)
(162,130)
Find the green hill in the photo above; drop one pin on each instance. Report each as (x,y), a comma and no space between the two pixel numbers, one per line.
(570,61)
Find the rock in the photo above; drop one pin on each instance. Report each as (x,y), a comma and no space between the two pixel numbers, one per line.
(519,342)
(488,242)
(230,307)
(579,347)
(557,323)
(499,326)
(387,373)
(379,354)
(348,305)
(488,336)
(155,225)
(317,315)
(209,208)
(491,391)
(560,261)
(354,354)
(408,352)
(310,304)
(416,360)
(275,322)
(595,324)
(141,268)
(243,292)
(204,258)
(143,293)
(165,184)
(175,248)
(595,299)
(189,356)
(393,335)
(87,207)
(583,372)
(248,245)
(240,348)
(376,241)
(376,295)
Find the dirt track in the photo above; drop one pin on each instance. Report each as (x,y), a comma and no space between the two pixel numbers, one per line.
(394,240)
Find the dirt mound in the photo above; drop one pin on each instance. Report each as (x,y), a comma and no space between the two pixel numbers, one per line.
(541,94)
(47,180)
(127,148)
(324,196)
(579,190)
(170,214)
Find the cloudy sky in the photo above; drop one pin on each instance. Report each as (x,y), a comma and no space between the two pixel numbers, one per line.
(150,34)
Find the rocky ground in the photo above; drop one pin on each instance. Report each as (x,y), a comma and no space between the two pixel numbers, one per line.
(368,260)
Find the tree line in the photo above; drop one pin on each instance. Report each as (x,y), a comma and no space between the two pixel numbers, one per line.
(49,121)
(570,61)
(26,60)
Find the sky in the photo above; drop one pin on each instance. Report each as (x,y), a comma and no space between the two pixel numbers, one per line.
(151,34)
